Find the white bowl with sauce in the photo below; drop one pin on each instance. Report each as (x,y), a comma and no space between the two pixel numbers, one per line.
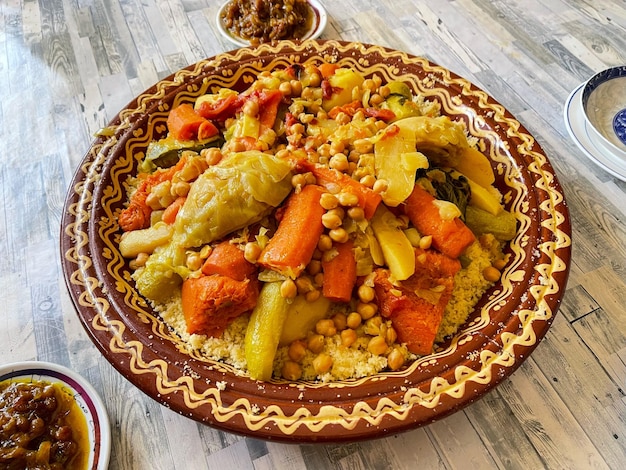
(319,19)
(82,398)
(603,100)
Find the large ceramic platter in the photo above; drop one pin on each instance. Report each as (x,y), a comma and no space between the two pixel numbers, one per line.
(504,329)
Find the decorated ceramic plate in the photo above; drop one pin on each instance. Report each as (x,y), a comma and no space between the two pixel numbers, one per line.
(94,443)
(501,332)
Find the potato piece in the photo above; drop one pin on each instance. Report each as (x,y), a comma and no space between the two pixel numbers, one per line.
(342,82)
(145,240)
(264,331)
(396,162)
(476,166)
(396,247)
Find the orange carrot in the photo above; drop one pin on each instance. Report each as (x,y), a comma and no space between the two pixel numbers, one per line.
(269,100)
(417,305)
(227,259)
(211,303)
(137,215)
(326,69)
(340,274)
(450,236)
(332,179)
(171,211)
(184,123)
(291,248)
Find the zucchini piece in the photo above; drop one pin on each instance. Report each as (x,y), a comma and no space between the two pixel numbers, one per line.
(503,226)
(166,152)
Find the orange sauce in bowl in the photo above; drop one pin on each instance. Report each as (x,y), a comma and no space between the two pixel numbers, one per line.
(42,424)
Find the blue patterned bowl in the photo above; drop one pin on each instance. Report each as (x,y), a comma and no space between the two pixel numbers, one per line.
(604,103)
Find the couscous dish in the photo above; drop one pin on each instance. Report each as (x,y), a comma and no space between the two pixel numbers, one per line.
(319,225)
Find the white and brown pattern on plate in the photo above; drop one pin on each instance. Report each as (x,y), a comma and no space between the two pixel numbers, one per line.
(505,327)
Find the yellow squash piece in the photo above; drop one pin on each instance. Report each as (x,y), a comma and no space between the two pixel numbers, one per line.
(396,247)
(484,198)
(264,331)
(476,166)
(302,316)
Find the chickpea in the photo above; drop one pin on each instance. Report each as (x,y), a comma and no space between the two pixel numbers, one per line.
(426,242)
(331,220)
(322,363)
(329,201)
(395,359)
(316,343)
(325,243)
(291,370)
(499,264)
(380,186)
(288,289)
(251,108)
(366,310)
(312,295)
(314,268)
(326,327)
(348,199)
(194,261)
(251,252)
(285,88)
(377,345)
(212,155)
(297,350)
(366,293)
(356,213)
(296,87)
(353,320)
(348,337)
(139,261)
(339,235)
(491,274)
(368,181)
(340,320)
(339,161)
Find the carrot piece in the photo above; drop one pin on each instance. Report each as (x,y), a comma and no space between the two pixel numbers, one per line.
(137,215)
(211,303)
(184,123)
(171,211)
(227,259)
(332,179)
(269,100)
(339,274)
(221,110)
(326,69)
(417,311)
(291,248)
(450,236)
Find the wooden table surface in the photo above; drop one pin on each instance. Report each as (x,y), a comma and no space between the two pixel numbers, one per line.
(67,67)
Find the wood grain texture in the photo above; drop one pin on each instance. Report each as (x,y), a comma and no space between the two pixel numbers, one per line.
(68,66)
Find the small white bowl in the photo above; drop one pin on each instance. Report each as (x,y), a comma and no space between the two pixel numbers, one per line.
(85,395)
(317,27)
(603,101)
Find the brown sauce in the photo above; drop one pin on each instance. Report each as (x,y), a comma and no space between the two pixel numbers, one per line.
(260,21)
(41,426)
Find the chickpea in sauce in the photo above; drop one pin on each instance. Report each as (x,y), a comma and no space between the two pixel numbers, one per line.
(261,21)
(41,426)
